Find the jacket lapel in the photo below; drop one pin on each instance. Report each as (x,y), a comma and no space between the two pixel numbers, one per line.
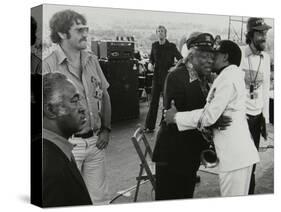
(76,173)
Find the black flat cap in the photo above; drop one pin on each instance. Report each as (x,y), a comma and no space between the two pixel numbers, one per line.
(202,41)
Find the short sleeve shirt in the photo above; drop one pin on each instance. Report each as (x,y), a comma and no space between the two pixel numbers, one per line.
(91,86)
(257,73)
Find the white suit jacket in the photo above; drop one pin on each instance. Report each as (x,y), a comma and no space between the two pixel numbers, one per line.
(234,145)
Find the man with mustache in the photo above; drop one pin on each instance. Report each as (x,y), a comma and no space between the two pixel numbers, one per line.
(63,115)
(70,32)
(256,65)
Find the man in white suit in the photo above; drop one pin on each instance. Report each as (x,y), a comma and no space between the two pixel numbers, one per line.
(234,147)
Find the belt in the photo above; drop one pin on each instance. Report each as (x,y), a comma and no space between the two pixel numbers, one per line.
(85,135)
(255,117)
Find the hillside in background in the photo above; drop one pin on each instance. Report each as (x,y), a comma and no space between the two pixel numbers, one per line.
(107,23)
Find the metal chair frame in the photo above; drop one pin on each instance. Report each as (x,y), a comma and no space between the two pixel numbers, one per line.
(138,137)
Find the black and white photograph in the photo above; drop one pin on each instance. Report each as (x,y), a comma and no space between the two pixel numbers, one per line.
(137,106)
(122,105)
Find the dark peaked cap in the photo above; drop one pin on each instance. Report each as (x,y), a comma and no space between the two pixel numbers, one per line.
(232,49)
(201,41)
(257,24)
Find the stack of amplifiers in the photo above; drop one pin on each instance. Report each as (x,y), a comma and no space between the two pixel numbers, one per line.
(116,60)
(95,48)
(123,89)
(113,50)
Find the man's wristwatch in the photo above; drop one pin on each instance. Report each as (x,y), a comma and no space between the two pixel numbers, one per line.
(108,129)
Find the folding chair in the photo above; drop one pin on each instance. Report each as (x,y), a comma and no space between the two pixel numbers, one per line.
(140,140)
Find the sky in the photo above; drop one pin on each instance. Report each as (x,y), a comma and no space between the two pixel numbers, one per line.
(179,24)
(106,17)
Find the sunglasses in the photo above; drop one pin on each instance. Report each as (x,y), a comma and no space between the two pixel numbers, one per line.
(82,29)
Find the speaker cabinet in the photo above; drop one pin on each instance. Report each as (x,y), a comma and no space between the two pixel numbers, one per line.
(95,48)
(123,89)
(116,50)
(271,110)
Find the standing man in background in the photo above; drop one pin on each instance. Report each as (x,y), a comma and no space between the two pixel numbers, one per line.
(256,65)
(69,31)
(162,58)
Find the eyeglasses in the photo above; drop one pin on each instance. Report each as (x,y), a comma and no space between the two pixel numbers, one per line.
(82,29)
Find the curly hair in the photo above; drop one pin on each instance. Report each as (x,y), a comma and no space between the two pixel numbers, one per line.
(62,22)
(249,36)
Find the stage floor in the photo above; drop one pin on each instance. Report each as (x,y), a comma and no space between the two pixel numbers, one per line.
(123,165)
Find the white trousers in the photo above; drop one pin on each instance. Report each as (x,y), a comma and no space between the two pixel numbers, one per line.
(235,183)
(91,163)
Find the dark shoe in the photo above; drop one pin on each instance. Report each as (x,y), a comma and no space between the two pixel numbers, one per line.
(147,130)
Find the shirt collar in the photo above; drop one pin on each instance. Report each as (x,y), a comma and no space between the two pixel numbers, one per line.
(249,51)
(228,68)
(85,56)
(192,74)
(165,44)
(60,141)
(62,57)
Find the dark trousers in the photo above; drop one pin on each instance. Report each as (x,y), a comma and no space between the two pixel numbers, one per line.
(254,123)
(151,117)
(174,185)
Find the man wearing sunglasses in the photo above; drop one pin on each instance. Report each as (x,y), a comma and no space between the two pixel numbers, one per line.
(70,32)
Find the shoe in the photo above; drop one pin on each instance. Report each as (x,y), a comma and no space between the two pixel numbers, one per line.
(147,130)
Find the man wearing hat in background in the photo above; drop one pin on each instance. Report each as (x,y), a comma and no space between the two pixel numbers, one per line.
(177,154)
(226,97)
(256,65)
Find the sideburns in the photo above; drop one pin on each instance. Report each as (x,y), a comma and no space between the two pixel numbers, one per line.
(68,36)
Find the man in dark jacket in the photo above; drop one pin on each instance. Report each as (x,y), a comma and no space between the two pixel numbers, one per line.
(63,115)
(162,58)
(177,154)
